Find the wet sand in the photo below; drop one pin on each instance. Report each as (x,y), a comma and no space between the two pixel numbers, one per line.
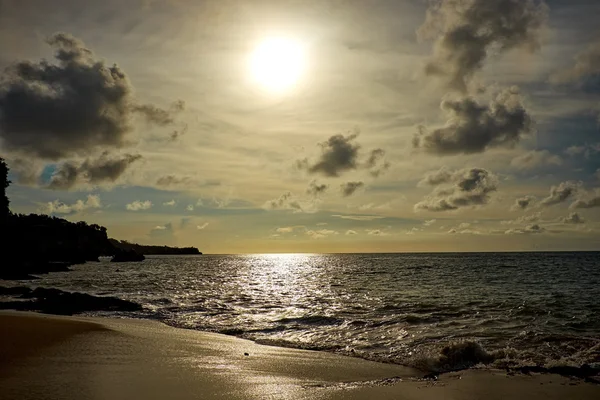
(48,357)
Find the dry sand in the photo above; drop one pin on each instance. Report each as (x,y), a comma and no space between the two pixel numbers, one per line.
(47,357)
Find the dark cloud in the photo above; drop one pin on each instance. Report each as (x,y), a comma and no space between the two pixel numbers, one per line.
(72,107)
(349,188)
(473,127)
(106,168)
(468,31)
(315,189)
(159,116)
(523,203)
(561,193)
(588,200)
(464,188)
(339,154)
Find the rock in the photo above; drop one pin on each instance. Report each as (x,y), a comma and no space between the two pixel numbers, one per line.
(127,256)
(55,301)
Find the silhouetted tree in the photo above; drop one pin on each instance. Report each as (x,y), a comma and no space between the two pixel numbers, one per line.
(4,182)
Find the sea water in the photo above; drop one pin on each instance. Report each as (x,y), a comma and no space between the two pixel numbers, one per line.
(436,312)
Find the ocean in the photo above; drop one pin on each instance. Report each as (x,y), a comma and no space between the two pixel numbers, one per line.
(435,312)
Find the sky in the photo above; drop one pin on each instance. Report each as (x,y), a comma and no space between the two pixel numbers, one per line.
(308,126)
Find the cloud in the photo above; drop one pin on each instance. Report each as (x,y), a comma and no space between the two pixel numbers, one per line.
(286,229)
(535,159)
(430,222)
(587,200)
(169,203)
(573,218)
(435,178)
(349,188)
(525,219)
(173,180)
(139,205)
(586,150)
(320,234)
(316,190)
(358,217)
(376,164)
(190,207)
(473,127)
(106,168)
(350,232)
(561,193)
(340,154)
(376,232)
(58,207)
(522,203)
(202,227)
(464,188)
(286,201)
(469,31)
(587,64)
(158,115)
(70,108)
(529,229)
(162,230)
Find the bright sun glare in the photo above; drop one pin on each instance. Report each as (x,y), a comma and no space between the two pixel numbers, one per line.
(277,63)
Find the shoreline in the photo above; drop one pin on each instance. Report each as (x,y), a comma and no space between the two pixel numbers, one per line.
(110,358)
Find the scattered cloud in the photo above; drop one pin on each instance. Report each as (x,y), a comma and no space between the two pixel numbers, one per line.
(358,217)
(525,219)
(529,229)
(169,203)
(106,168)
(350,232)
(58,207)
(429,222)
(286,201)
(573,218)
(321,233)
(376,232)
(190,207)
(339,154)
(316,190)
(561,193)
(523,203)
(139,205)
(465,188)
(535,159)
(587,200)
(473,127)
(587,64)
(162,230)
(468,31)
(70,108)
(202,227)
(349,188)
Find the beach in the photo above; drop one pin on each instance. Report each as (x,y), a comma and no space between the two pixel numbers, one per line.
(51,357)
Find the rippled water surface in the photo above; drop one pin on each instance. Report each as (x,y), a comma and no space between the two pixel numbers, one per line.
(500,309)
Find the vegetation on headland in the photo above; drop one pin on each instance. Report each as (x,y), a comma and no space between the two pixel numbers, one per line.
(36,244)
(152,250)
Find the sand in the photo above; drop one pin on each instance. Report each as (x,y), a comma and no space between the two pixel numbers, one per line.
(48,357)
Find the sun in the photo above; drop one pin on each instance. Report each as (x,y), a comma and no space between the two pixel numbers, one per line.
(277,63)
